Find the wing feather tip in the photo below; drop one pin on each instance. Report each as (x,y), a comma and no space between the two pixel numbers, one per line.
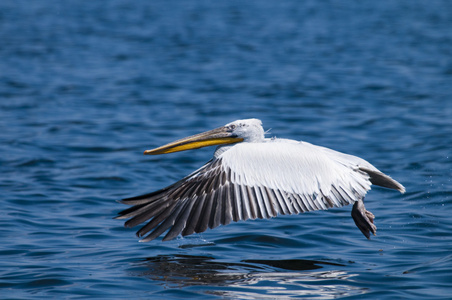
(170,237)
(147,238)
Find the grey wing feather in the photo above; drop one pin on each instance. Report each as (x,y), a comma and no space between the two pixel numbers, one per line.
(208,198)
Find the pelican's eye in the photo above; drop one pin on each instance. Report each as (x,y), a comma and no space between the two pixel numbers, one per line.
(232,127)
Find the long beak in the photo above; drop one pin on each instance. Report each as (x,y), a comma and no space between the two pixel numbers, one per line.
(213,137)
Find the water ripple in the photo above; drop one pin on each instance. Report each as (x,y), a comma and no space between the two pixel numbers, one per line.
(87,88)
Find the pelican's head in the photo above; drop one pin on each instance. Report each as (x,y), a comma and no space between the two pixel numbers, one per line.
(249,130)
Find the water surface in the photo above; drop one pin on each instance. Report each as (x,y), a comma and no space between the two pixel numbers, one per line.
(86,87)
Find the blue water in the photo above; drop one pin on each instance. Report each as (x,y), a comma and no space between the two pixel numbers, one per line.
(86,87)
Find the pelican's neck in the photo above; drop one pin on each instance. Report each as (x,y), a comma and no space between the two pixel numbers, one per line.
(253,134)
(222,149)
(255,137)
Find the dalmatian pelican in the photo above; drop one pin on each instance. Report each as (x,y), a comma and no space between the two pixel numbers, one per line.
(251,177)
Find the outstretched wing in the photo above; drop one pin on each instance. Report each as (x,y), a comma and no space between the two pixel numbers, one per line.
(249,181)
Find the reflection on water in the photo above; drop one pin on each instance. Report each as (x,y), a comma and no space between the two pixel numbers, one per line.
(251,279)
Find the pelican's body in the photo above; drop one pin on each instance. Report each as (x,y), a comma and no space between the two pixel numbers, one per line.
(251,177)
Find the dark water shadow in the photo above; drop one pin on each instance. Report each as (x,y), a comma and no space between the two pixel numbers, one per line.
(250,278)
(293,264)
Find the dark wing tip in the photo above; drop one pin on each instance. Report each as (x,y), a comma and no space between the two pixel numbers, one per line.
(383,180)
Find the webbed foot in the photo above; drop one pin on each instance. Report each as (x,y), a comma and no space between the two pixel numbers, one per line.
(364,219)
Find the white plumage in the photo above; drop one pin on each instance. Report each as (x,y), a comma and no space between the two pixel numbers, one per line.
(253,177)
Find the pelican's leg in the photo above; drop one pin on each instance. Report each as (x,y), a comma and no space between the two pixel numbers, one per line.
(363,218)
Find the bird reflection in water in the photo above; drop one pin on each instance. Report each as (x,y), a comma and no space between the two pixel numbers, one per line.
(251,279)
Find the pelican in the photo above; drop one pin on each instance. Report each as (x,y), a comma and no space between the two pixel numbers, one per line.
(251,177)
